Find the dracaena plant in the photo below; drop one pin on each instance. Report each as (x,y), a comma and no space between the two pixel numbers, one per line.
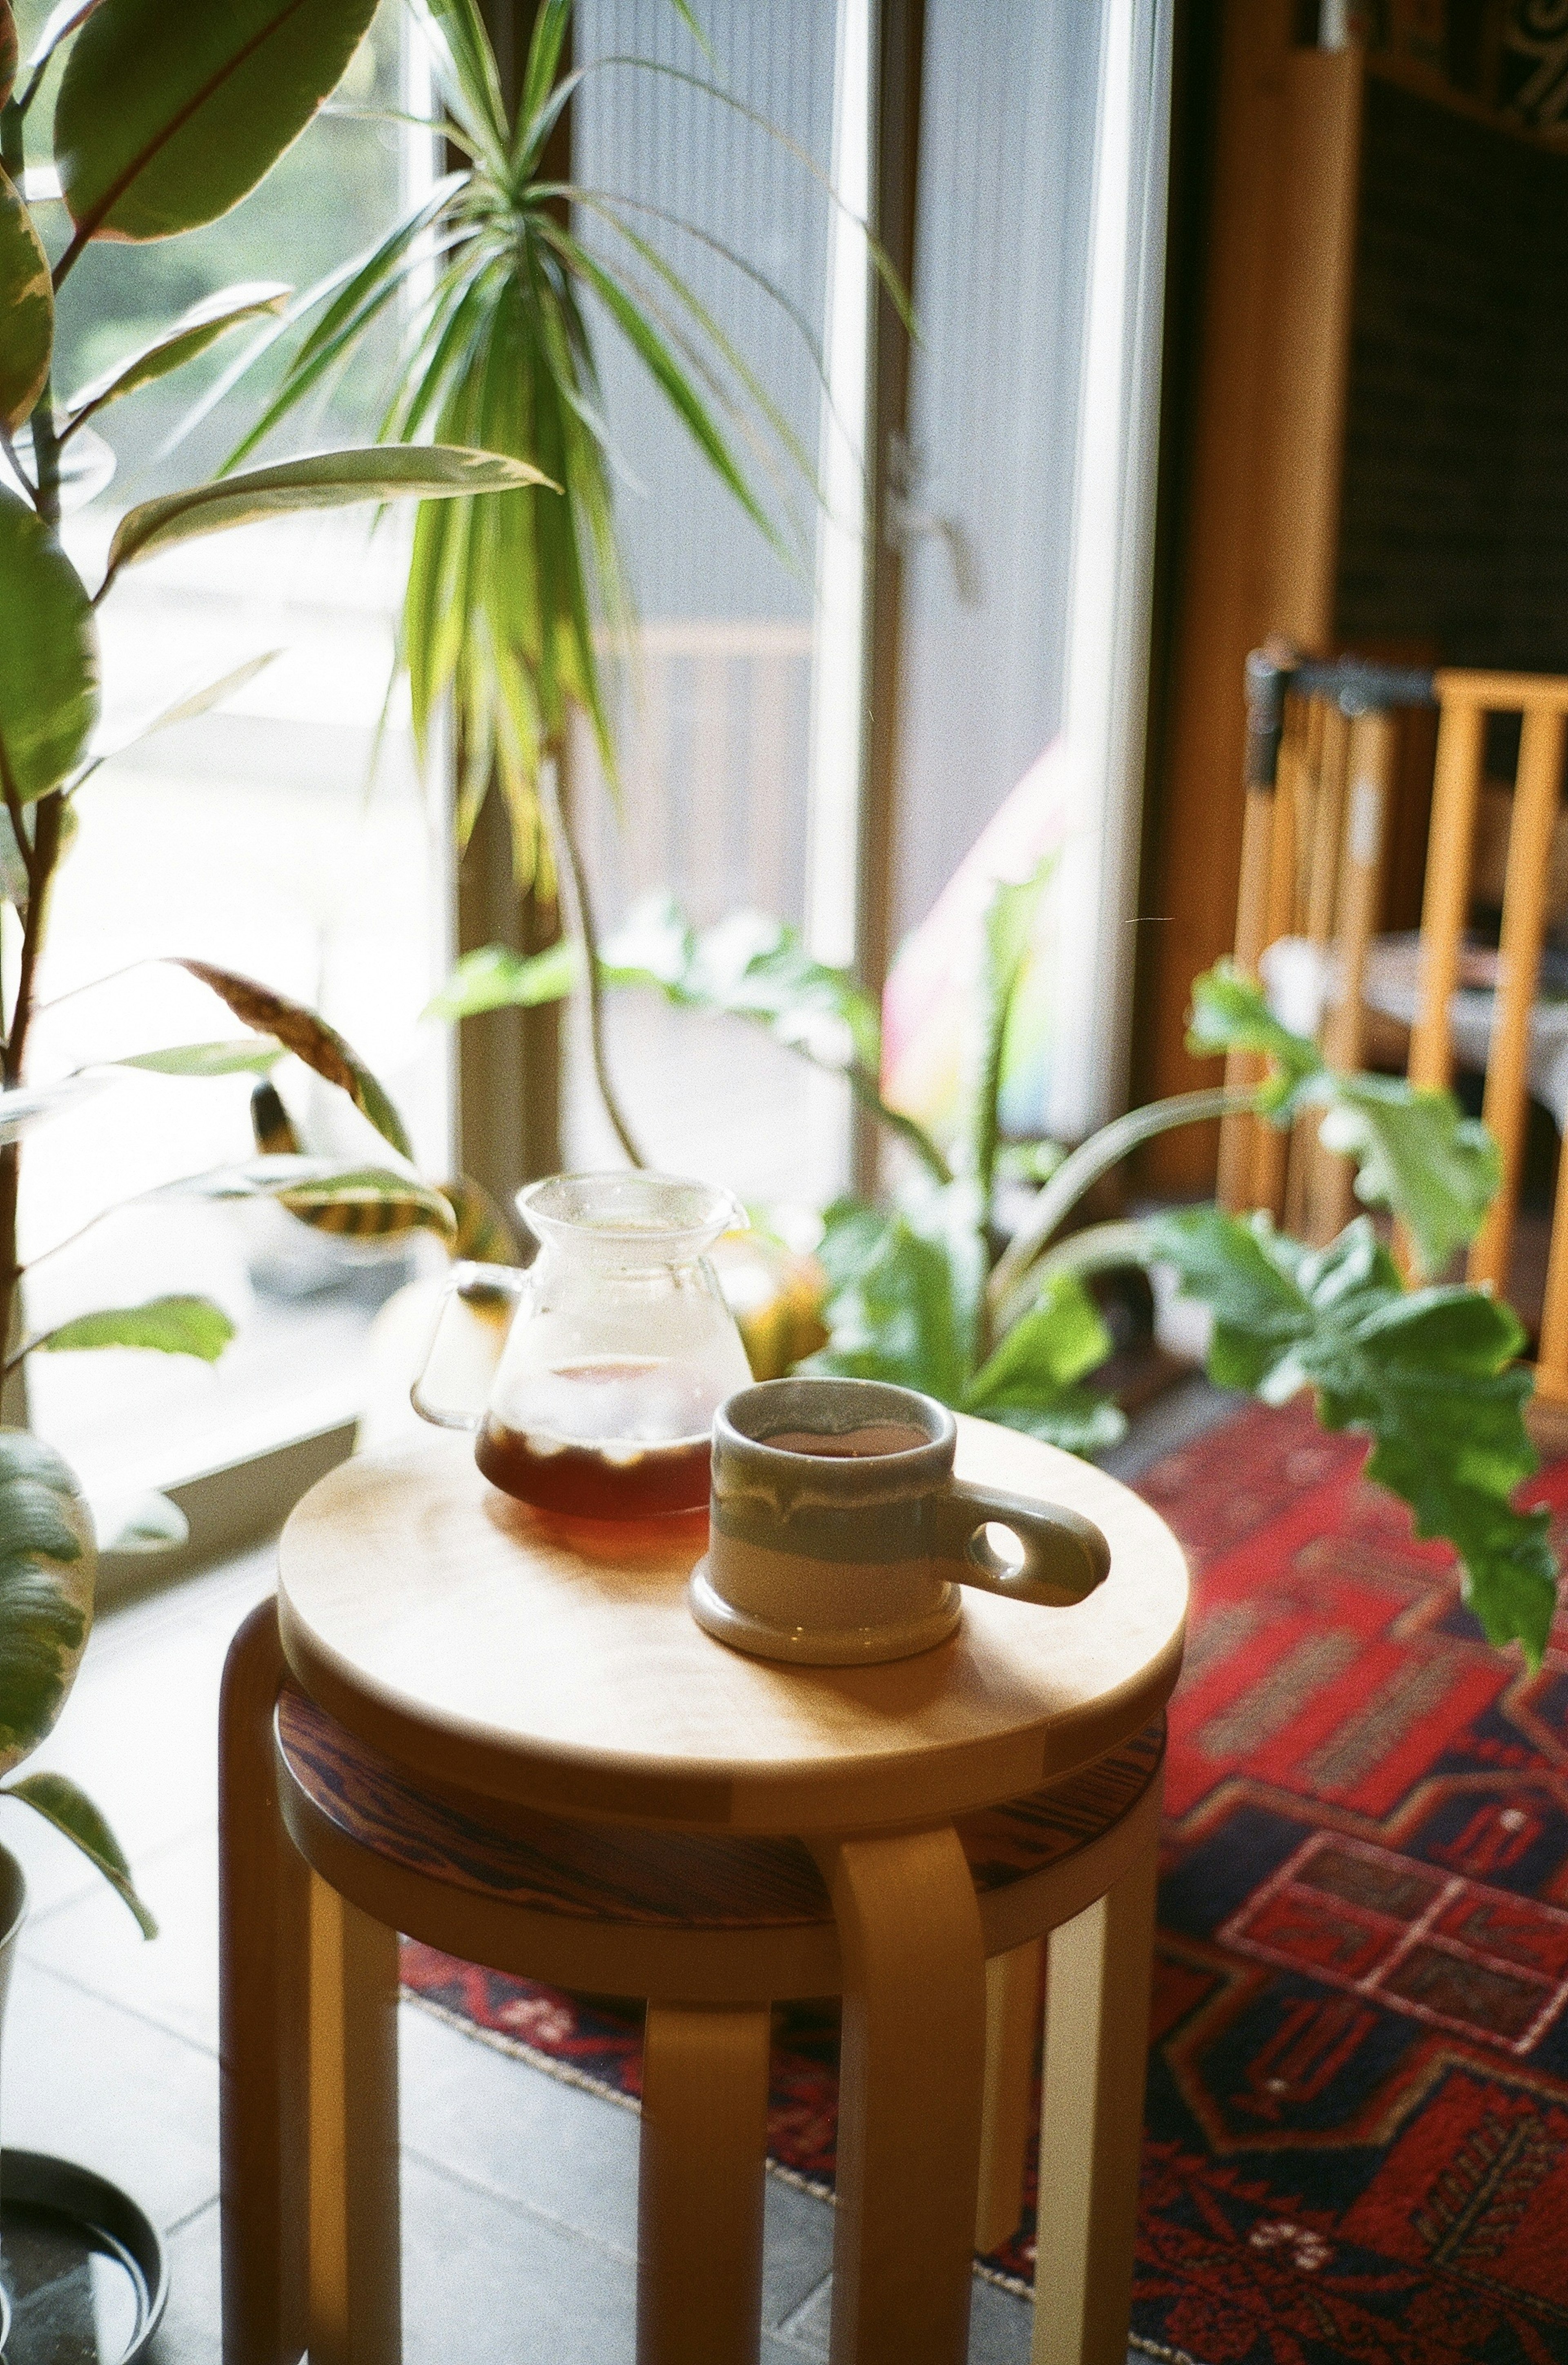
(915,1293)
(168,113)
(502,274)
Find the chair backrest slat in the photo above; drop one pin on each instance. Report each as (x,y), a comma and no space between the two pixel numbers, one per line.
(1445,905)
(1536,797)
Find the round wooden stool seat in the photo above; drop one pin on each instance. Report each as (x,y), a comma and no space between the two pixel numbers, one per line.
(588,1903)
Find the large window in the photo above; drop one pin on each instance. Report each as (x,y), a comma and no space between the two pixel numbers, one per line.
(260,836)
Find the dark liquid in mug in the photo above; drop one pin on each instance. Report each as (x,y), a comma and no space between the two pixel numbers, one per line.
(850,1444)
(573,1454)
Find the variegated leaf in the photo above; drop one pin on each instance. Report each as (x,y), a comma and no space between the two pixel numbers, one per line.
(27,309)
(309,1038)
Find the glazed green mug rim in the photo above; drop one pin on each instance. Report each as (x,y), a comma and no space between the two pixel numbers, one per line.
(869,1401)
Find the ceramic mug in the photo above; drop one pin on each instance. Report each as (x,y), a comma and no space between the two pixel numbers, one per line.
(840,1536)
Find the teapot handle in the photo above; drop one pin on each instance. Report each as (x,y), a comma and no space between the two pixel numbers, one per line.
(471,1329)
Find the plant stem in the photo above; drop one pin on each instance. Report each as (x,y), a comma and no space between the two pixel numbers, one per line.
(1094,1157)
(577,904)
(38,855)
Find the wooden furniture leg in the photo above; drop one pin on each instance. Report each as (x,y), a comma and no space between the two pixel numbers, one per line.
(355,2284)
(1091,2123)
(1011,2030)
(263,1947)
(700,2183)
(908,2122)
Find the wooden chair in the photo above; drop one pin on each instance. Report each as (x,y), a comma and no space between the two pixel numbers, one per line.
(329,1849)
(1321,755)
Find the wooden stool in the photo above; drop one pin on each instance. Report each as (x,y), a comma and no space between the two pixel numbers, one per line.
(711,1923)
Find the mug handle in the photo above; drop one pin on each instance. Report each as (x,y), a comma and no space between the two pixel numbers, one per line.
(1065,1556)
(472,1325)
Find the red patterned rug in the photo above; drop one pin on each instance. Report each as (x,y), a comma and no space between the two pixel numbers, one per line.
(1357,2140)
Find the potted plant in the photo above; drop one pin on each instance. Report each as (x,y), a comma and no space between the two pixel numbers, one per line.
(925,1291)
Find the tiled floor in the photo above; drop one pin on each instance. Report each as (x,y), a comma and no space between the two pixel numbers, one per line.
(519,2192)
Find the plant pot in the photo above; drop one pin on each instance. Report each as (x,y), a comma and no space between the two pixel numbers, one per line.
(88,2261)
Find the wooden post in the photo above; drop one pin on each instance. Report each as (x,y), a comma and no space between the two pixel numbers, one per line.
(704,2137)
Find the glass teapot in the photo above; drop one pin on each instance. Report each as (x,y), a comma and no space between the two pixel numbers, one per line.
(602,1364)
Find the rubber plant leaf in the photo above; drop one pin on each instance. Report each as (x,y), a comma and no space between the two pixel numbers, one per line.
(1417,1152)
(250,1055)
(49,656)
(170,1326)
(309,1038)
(59,26)
(383,472)
(369,1202)
(73,1813)
(191,334)
(27,308)
(1229,1012)
(167,117)
(47,1566)
(1431,1374)
(9,51)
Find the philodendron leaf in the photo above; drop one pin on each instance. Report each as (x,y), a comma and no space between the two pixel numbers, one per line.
(167,117)
(1417,1152)
(1229,1012)
(1032,1381)
(368,1202)
(26,306)
(323,480)
(173,1326)
(902,1293)
(495,977)
(59,1802)
(310,1039)
(184,339)
(252,1055)
(148,1523)
(1430,1373)
(47,1563)
(49,654)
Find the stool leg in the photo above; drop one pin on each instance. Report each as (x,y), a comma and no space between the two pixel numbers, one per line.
(262,1900)
(1011,2030)
(355,2291)
(908,2120)
(700,2190)
(1091,2124)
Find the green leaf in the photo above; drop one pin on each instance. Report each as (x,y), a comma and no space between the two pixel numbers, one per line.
(309,1038)
(184,710)
(1229,1014)
(71,1812)
(483,1233)
(1418,1154)
(357,1201)
(1008,926)
(1431,1374)
(173,1326)
(252,1055)
(27,308)
(168,116)
(49,656)
(748,965)
(903,1293)
(58,24)
(1075,1418)
(191,334)
(24,1105)
(148,1523)
(1060,1338)
(385,471)
(495,977)
(47,1563)
(9,51)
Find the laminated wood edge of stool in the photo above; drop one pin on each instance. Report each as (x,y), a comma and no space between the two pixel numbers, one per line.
(529,1895)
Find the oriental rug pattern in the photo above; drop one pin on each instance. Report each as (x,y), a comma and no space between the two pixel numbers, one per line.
(1357,2142)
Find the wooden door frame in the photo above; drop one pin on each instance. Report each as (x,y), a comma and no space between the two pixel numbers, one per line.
(1257,450)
